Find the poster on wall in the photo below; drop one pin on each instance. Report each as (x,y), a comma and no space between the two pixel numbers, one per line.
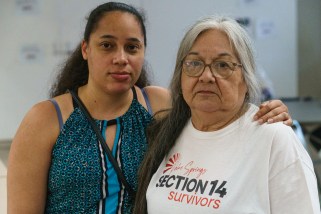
(265,28)
(249,3)
(31,54)
(246,23)
(27,7)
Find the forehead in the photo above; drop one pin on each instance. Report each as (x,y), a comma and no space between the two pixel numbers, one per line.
(213,42)
(119,22)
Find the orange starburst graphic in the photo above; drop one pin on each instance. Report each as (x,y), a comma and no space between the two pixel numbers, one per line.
(171,162)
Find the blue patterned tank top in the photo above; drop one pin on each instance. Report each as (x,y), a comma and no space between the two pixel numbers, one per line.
(81,178)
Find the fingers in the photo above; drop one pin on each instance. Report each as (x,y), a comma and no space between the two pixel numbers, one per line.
(283,117)
(272,116)
(288,122)
(273,111)
(274,104)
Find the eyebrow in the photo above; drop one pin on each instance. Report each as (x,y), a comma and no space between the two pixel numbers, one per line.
(132,39)
(220,55)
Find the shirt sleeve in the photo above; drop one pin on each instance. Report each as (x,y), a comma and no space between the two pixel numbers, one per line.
(292,181)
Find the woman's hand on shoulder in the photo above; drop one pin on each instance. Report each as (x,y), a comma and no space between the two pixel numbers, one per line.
(273,111)
(29,159)
(159,98)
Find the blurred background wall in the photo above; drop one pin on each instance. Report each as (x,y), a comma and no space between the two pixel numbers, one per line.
(309,48)
(37,35)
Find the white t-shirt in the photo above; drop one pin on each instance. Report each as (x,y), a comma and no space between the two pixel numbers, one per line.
(243,168)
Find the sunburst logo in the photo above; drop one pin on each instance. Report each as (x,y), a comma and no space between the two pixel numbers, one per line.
(171,162)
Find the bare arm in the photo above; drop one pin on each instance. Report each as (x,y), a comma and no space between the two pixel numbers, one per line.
(273,111)
(29,160)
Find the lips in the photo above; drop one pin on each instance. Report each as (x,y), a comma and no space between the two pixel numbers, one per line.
(120,76)
(205,91)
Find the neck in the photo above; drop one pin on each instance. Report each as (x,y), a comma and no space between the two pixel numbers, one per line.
(206,122)
(102,105)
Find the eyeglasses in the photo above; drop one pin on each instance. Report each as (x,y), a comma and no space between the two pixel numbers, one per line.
(221,69)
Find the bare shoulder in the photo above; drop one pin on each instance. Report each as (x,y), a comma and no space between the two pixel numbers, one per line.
(40,122)
(159,98)
(65,104)
(39,114)
(35,137)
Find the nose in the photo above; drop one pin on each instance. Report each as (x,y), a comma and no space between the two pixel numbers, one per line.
(120,57)
(207,75)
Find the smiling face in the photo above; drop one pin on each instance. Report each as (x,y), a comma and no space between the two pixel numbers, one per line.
(207,93)
(115,52)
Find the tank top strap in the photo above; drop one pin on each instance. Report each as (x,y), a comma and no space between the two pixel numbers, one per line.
(54,102)
(149,108)
(134,93)
(150,111)
(74,103)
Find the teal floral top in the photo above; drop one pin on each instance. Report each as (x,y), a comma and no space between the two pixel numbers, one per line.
(81,178)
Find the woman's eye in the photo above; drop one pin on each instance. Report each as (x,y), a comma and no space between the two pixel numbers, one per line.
(222,65)
(106,45)
(195,63)
(132,48)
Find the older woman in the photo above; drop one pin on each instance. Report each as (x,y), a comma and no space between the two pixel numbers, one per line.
(208,156)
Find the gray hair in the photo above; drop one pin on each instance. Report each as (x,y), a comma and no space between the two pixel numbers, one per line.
(162,133)
(239,40)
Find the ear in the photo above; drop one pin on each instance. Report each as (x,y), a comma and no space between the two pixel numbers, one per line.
(84,49)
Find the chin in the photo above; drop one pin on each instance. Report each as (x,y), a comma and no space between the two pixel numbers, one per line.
(118,88)
(206,108)
(123,88)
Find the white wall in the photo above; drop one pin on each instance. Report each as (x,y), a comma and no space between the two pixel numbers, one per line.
(56,27)
(277,54)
